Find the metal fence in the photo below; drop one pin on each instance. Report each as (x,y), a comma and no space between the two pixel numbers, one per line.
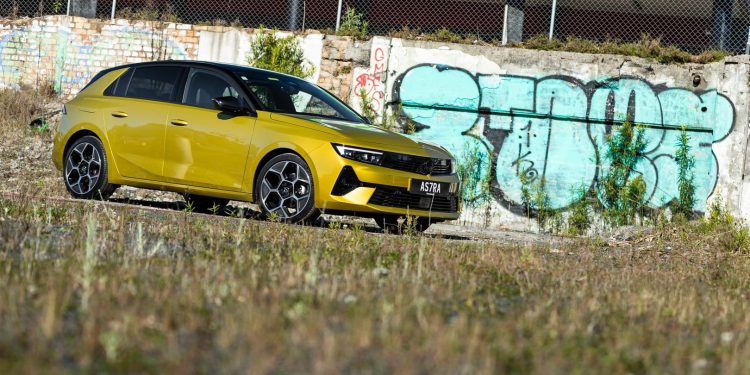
(694,25)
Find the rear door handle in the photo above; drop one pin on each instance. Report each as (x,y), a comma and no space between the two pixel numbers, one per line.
(179,122)
(119,114)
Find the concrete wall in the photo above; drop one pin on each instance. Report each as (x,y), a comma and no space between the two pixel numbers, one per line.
(540,115)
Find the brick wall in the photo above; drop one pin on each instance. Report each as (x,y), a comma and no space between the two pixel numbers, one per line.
(68,51)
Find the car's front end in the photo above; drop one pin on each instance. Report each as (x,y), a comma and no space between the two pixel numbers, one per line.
(372,179)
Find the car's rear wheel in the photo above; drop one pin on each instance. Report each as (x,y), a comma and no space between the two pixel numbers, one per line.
(284,190)
(398,224)
(85,169)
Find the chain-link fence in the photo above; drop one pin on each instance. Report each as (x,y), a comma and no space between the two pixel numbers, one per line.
(695,25)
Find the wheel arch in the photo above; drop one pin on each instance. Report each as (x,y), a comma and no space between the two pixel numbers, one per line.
(274,152)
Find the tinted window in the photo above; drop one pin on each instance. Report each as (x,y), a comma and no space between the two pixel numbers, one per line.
(285,94)
(203,86)
(155,83)
(120,85)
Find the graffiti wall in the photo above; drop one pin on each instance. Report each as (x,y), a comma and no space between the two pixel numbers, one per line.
(532,116)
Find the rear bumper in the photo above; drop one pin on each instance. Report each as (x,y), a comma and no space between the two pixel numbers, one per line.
(382,191)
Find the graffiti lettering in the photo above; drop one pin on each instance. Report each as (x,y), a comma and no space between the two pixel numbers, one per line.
(555,127)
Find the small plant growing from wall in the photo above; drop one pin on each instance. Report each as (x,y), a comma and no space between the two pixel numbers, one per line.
(622,194)
(353,24)
(365,106)
(579,215)
(474,172)
(685,177)
(284,55)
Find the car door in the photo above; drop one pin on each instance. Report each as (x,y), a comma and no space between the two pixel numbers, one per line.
(137,117)
(205,147)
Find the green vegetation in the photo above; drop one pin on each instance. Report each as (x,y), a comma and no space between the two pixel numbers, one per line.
(353,24)
(621,190)
(647,47)
(579,218)
(685,177)
(283,54)
(474,171)
(149,12)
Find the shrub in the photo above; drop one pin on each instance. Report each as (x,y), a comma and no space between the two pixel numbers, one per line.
(353,24)
(685,178)
(282,55)
(621,195)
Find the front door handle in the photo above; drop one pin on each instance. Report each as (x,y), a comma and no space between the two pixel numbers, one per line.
(179,122)
(119,114)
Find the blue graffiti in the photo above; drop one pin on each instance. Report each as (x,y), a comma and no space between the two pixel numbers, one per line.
(554,128)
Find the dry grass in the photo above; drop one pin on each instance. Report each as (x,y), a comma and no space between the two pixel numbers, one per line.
(93,288)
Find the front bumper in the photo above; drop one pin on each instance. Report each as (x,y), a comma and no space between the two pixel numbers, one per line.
(381,190)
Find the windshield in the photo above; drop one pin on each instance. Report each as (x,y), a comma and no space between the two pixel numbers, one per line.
(285,94)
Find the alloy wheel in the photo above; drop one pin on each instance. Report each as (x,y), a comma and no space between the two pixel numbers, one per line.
(285,189)
(83,168)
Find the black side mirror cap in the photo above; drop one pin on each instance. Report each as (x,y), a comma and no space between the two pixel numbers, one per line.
(231,104)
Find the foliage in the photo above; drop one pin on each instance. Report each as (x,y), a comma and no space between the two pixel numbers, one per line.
(442,34)
(733,234)
(685,177)
(622,194)
(365,106)
(149,12)
(646,47)
(474,172)
(280,54)
(579,214)
(353,24)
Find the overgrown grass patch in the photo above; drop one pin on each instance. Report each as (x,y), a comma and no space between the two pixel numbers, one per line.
(177,292)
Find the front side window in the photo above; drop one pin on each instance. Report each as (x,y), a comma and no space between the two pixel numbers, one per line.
(154,83)
(203,86)
(284,94)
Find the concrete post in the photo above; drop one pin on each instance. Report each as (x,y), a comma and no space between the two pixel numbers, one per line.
(514,19)
(83,8)
(722,24)
(295,6)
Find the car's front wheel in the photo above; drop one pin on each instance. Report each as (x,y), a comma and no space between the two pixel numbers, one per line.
(85,169)
(284,190)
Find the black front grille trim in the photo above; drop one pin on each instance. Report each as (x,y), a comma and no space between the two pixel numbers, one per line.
(417,164)
(389,196)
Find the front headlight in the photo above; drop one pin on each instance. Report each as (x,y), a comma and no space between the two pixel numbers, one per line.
(359,154)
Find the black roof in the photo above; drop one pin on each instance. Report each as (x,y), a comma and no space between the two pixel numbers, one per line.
(195,63)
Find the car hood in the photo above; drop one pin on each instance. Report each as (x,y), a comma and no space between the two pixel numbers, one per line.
(364,135)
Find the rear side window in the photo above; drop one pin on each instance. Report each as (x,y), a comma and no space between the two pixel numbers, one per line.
(154,83)
(120,85)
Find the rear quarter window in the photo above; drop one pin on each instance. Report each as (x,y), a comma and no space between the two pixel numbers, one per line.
(153,83)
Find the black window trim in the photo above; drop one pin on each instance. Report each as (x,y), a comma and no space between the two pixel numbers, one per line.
(178,87)
(222,74)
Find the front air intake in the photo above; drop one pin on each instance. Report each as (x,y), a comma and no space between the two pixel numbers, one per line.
(346,182)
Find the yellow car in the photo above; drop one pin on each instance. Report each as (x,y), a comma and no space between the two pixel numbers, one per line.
(218,132)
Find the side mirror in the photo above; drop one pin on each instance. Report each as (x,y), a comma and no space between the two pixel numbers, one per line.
(230,104)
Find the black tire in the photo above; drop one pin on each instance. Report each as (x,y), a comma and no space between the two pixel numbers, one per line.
(206,205)
(284,188)
(85,167)
(398,224)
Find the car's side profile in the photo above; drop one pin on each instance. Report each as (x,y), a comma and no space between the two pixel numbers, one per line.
(219,132)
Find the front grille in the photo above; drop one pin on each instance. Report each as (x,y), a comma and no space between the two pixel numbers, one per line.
(417,164)
(401,198)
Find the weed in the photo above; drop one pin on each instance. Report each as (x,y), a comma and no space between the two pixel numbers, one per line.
(353,24)
(474,172)
(579,214)
(282,54)
(685,177)
(365,106)
(621,192)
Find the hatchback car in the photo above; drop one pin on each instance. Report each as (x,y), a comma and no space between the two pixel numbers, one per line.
(218,132)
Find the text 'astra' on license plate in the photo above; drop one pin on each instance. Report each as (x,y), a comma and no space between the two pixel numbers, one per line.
(429,187)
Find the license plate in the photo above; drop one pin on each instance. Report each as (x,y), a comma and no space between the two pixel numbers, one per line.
(429,187)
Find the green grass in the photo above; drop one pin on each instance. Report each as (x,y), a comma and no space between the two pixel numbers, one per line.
(92,288)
